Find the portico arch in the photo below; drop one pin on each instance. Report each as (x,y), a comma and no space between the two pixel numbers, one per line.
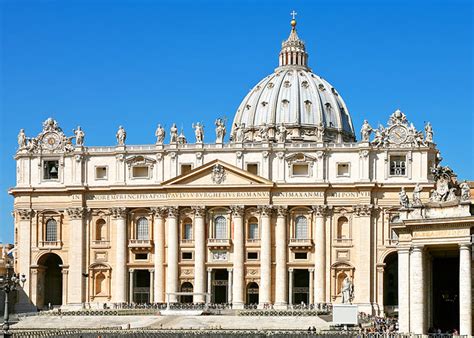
(50,281)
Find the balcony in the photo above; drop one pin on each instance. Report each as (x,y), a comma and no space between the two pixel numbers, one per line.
(342,242)
(99,243)
(187,243)
(50,244)
(300,243)
(140,244)
(253,242)
(218,243)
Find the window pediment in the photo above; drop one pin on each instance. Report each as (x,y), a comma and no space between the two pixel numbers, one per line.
(300,158)
(139,160)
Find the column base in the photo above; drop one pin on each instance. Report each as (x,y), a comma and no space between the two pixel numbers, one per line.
(268,306)
(280,306)
(238,306)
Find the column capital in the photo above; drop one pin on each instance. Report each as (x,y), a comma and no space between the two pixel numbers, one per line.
(173,212)
(465,246)
(119,212)
(237,210)
(159,212)
(320,210)
(131,270)
(282,210)
(364,210)
(199,210)
(403,250)
(311,270)
(265,210)
(290,270)
(151,270)
(230,270)
(209,269)
(76,213)
(417,248)
(25,214)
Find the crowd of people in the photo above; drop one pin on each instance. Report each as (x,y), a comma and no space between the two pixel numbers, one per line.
(378,324)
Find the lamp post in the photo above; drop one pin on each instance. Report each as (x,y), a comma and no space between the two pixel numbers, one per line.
(8,283)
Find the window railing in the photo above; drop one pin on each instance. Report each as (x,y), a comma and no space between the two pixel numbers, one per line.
(218,242)
(100,243)
(300,242)
(253,240)
(50,244)
(343,241)
(139,243)
(187,242)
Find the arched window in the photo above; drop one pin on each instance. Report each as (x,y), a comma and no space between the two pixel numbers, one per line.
(142,228)
(51,231)
(100,230)
(343,228)
(301,227)
(187,229)
(100,283)
(220,227)
(253,228)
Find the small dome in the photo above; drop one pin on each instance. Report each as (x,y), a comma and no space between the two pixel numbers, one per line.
(307,106)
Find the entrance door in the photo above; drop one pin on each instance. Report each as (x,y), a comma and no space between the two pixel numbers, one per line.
(446,292)
(219,286)
(50,281)
(300,286)
(186,287)
(252,293)
(141,289)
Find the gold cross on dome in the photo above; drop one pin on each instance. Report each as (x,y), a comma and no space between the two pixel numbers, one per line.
(293,14)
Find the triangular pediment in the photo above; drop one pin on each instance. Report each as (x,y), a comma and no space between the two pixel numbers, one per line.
(215,174)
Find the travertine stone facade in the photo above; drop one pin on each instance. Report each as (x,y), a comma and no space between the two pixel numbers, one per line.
(281,214)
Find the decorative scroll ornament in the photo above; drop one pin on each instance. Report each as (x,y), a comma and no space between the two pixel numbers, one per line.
(218,174)
(399,132)
(51,139)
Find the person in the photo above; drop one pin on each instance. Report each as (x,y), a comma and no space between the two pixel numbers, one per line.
(121,136)
(79,136)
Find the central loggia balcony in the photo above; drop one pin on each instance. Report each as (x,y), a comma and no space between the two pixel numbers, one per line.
(300,243)
(140,244)
(219,243)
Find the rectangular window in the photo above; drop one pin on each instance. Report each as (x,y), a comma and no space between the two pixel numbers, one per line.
(187,255)
(252,255)
(140,172)
(186,168)
(398,165)
(343,170)
(100,173)
(252,168)
(253,231)
(301,255)
(50,170)
(300,169)
(141,256)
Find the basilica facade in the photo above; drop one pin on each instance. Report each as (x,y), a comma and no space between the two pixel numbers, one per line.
(280,212)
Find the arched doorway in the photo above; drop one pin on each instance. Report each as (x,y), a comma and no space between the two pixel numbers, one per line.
(252,293)
(186,287)
(390,283)
(50,281)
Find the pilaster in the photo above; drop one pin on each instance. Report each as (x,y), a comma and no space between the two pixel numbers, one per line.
(159,257)
(76,279)
(172,257)
(320,212)
(281,273)
(465,290)
(265,256)
(199,253)
(119,214)
(238,258)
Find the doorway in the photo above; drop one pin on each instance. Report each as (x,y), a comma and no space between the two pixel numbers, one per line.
(252,293)
(301,286)
(50,281)
(141,289)
(219,286)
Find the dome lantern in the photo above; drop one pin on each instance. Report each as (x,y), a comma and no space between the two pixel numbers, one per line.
(293,51)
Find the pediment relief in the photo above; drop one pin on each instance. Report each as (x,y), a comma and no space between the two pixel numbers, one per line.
(217,173)
(139,160)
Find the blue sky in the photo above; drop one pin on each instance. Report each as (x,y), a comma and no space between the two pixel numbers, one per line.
(101,64)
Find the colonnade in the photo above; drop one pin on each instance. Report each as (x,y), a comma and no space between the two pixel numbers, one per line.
(169,268)
(413,296)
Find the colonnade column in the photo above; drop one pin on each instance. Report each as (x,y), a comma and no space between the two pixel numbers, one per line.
(120,275)
(265,256)
(238,258)
(281,273)
(320,253)
(465,290)
(23,218)
(404,290)
(172,257)
(311,286)
(152,285)
(417,299)
(76,255)
(199,254)
(290,286)
(229,286)
(363,272)
(130,285)
(159,257)
(209,284)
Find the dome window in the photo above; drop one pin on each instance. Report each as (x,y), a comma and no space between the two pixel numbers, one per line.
(264,103)
(321,87)
(287,84)
(307,105)
(248,106)
(271,85)
(334,92)
(305,84)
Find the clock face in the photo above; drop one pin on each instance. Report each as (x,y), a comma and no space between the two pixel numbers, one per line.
(51,141)
(398,134)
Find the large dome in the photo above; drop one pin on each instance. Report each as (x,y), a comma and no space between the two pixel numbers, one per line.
(307,106)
